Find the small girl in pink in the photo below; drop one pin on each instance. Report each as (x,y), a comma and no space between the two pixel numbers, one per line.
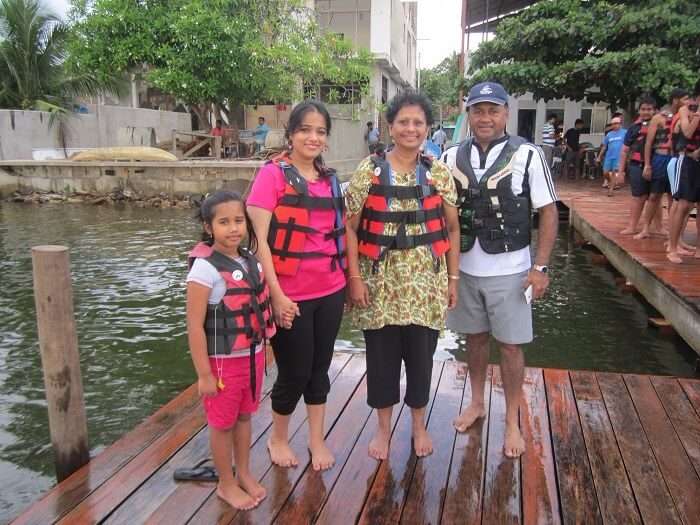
(229,358)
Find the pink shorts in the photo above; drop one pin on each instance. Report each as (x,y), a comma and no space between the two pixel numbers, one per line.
(236,398)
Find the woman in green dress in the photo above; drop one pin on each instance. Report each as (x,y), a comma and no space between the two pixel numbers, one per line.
(403,247)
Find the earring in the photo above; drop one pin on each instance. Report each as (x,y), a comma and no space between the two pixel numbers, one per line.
(289,145)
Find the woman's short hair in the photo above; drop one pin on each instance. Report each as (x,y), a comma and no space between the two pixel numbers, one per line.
(409,98)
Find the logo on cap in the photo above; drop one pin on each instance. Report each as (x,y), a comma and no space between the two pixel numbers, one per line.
(486,90)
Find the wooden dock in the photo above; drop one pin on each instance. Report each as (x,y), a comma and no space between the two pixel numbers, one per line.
(673,289)
(601,448)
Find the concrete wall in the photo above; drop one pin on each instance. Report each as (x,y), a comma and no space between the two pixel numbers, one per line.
(349,18)
(145,179)
(22,131)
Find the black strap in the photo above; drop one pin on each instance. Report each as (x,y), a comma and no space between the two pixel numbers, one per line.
(402,242)
(403,217)
(292,225)
(312,203)
(403,192)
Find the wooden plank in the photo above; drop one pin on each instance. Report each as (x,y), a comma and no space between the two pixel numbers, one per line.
(344,503)
(184,501)
(82,483)
(576,490)
(692,390)
(612,487)
(502,475)
(157,489)
(427,491)
(682,415)
(653,498)
(279,481)
(681,478)
(387,495)
(464,493)
(539,483)
(108,496)
(305,502)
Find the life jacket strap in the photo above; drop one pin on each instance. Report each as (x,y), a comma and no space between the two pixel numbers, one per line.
(402,242)
(419,192)
(403,217)
(312,203)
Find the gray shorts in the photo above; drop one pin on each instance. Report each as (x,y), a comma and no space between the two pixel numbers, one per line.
(493,304)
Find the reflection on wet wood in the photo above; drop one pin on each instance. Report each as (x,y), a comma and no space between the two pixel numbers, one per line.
(601,447)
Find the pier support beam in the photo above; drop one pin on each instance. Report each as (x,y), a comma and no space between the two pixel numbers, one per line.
(58,342)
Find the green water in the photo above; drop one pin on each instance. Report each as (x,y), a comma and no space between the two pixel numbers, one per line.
(128,267)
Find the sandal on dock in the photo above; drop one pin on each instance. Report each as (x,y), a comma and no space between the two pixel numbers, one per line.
(197,473)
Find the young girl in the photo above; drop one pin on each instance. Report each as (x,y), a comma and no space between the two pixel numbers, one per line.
(228,320)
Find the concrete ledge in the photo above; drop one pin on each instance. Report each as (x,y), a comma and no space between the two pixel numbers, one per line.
(681,313)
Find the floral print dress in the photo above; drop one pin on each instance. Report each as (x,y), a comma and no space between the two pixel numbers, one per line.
(406,289)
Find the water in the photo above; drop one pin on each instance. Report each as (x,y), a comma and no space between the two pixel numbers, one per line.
(128,267)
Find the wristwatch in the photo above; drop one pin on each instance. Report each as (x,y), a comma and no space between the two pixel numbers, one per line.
(540,268)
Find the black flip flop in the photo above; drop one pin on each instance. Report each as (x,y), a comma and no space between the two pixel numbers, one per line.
(197,473)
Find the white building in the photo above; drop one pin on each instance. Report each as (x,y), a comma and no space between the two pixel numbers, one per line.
(388,29)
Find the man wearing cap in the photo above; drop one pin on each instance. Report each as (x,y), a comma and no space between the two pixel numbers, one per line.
(610,151)
(500,179)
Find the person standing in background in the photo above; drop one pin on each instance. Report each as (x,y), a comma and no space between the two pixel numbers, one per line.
(548,140)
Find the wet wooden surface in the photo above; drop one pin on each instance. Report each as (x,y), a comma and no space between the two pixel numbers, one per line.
(601,448)
(610,215)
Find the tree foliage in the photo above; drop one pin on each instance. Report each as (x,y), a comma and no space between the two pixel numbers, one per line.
(33,72)
(442,83)
(604,50)
(214,52)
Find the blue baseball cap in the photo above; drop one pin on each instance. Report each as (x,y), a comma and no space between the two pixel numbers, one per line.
(488,92)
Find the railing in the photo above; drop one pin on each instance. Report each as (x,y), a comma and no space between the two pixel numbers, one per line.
(214,142)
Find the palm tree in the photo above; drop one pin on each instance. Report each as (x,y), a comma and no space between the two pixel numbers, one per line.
(33,71)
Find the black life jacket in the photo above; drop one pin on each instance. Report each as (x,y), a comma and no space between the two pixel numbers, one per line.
(488,208)
(376,213)
(637,147)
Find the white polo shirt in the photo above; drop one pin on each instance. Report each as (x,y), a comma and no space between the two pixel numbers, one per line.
(476,261)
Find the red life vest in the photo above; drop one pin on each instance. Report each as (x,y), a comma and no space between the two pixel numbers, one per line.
(243,318)
(376,213)
(289,225)
(637,147)
(662,140)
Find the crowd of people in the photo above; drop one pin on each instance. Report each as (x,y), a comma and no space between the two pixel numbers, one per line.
(413,245)
(658,154)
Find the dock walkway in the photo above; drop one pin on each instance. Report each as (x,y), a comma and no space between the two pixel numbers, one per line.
(601,448)
(673,289)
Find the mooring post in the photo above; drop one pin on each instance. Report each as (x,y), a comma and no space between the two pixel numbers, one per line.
(58,343)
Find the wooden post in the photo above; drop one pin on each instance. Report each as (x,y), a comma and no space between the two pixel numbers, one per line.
(58,343)
(217,148)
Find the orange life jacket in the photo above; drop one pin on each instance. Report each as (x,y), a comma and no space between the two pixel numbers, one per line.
(376,213)
(289,225)
(243,318)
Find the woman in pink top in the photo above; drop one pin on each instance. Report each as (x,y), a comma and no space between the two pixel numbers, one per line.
(297,212)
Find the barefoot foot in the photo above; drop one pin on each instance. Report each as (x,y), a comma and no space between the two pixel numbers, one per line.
(281,454)
(644,234)
(235,496)
(628,231)
(248,483)
(683,251)
(321,456)
(674,257)
(468,417)
(379,446)
(514,444)
(422,442)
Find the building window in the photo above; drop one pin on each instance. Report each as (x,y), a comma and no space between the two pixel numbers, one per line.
(385,89)
(586,116)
